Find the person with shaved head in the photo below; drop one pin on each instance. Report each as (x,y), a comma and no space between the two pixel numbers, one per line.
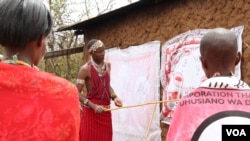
(219,53)
(201,114)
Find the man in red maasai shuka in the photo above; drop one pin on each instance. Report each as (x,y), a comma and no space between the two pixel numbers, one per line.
(96,120)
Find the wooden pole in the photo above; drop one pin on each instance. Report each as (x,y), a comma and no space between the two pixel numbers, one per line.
(150,122)
(143,104)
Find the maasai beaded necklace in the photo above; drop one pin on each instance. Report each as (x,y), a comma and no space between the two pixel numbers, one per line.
(101,69)
(17,62)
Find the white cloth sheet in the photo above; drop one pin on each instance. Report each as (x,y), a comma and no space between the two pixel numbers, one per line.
(135,79)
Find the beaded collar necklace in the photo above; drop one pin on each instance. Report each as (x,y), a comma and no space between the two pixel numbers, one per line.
(101,69)
(15,61)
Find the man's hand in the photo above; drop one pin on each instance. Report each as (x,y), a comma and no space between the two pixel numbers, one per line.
(118,102)
(99,109)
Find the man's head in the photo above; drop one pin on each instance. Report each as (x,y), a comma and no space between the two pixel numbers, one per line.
(219,52)
(96,49)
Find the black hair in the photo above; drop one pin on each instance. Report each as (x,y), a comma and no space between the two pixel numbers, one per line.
(91,42)
(22,21)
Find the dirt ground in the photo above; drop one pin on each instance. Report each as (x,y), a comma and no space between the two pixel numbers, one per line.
(173,17)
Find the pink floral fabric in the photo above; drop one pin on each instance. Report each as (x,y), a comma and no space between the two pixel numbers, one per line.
(37,106)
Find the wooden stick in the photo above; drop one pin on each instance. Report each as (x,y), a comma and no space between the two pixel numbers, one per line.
(137,105)
(150,123)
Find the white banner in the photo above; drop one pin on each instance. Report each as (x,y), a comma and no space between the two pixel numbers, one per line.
(135,78)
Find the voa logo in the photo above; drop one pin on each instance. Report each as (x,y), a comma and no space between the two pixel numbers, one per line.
(236,132)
